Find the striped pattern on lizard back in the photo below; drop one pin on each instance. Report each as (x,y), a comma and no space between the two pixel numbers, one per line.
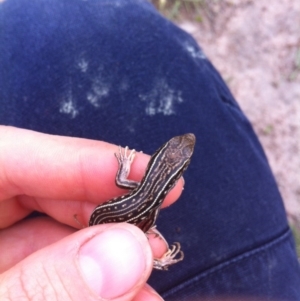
(141,206)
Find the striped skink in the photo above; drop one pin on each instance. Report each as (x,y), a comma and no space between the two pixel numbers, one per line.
(141,206)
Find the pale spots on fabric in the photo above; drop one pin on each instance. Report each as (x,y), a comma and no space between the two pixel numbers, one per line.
(68,107)
(194,52)
(99,91)
(83,65)
(162,99)
(67,103)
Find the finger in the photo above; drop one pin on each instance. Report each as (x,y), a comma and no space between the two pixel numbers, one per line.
(147,293)
(58,168)
(30,235)
(158,244)
(108,261)
(71,212)
(11,210)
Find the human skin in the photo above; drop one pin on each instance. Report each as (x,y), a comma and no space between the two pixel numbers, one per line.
(47,257)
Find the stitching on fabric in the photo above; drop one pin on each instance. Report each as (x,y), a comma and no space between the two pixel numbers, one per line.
(223,265)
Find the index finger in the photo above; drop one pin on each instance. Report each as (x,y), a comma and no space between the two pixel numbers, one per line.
(60,168)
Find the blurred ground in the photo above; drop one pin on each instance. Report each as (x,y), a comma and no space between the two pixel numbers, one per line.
(256,47)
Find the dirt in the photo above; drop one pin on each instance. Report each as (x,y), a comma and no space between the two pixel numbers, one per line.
(256,47)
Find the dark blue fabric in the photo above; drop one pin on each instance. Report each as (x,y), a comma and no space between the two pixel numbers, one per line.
(119,72)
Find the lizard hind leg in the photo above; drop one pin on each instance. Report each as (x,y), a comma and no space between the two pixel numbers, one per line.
(172,256)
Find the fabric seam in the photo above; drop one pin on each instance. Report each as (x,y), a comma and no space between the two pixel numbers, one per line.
(223,265)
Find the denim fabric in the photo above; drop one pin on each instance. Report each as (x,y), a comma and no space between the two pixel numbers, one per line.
(118,71)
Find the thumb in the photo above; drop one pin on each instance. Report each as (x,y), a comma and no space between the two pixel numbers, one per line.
(109,261)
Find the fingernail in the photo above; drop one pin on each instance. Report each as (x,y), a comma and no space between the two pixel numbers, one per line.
(183,182)
(112,262)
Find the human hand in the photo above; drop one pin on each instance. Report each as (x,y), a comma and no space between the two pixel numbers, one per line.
(45,257)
